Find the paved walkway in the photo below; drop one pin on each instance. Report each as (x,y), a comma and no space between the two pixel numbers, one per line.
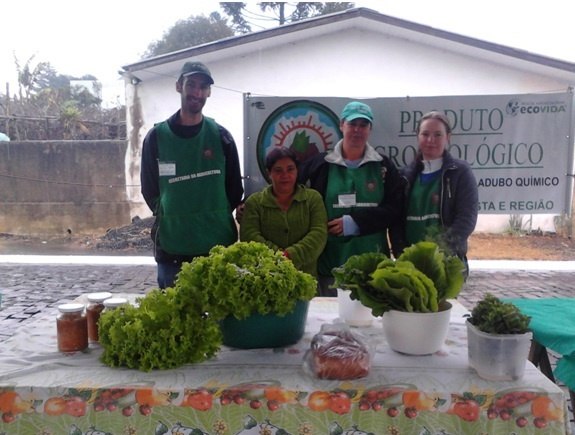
(34,285)
(37,284)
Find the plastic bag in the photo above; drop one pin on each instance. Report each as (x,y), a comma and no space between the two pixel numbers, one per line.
(336,352)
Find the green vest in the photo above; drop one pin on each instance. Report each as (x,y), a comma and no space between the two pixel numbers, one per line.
(423,210)
(193,212)
(367,185)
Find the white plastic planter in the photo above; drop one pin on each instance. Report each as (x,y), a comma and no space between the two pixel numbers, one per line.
(498,357)
(417,333)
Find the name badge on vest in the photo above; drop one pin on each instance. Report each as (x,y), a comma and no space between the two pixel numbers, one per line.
(167,169)
(346,200)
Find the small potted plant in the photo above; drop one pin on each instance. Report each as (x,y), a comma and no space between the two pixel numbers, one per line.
(411,293)
(498,338)
(245,295)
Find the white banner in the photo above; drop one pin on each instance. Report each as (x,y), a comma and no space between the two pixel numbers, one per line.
(519,146)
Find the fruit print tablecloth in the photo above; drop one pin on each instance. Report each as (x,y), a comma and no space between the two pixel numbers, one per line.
(268,392)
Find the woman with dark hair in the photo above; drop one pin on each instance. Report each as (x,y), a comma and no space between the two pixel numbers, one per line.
(286,216)
(441,193)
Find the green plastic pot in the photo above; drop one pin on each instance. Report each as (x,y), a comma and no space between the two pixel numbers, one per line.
(269,330)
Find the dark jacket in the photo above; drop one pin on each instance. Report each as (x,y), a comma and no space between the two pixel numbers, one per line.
(314,172)
(458,209)
(149,175)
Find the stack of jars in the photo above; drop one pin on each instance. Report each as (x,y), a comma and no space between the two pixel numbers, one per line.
(77,324)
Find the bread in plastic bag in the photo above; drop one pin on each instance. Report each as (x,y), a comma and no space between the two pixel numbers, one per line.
(336,352)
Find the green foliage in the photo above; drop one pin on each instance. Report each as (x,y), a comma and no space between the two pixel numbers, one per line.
(245,278)
(165,331)
(446,271)
(493,316)
(197,30)
(32,78)
(516,225)
(305,10)
(417,281)
(189,33)
(355,273)
(400,286)
(181,325)
(43,106)
(235,11)
(243,19)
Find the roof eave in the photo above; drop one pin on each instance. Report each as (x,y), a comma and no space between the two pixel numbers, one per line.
(397,25)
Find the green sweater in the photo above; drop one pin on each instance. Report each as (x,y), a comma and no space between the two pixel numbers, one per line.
(301,231)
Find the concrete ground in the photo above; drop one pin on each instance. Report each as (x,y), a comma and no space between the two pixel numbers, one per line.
(35,285)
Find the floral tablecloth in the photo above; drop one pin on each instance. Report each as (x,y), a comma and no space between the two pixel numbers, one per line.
(267,391)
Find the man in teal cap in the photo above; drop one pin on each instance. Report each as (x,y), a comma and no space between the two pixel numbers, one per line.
(361,190)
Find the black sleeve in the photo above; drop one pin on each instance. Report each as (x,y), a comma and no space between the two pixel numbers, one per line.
(464,209)
(234,186)
(312,173)
(387,213)
(149,171)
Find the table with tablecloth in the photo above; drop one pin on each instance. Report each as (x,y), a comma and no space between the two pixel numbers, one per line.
(268,391)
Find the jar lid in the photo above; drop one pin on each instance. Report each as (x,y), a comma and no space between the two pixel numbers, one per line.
(71,308)
(99,297)
(115,302)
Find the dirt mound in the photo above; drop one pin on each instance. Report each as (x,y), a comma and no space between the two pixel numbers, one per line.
(135,236)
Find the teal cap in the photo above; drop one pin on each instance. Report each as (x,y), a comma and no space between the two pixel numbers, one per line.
(355,110)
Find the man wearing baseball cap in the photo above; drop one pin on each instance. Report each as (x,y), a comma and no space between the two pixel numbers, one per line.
(194,68)
(190,176)
(362,193)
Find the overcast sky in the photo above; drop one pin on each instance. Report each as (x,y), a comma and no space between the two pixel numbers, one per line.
(98,38)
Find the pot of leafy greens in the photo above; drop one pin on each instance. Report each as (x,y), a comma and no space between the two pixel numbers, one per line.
(418,281)
(183,324)
(410,293)
(499,339)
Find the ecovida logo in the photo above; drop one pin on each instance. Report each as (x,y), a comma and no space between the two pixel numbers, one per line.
(304,126)
(517,107)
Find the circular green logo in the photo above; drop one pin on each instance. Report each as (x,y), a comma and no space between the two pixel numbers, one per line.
(306,127)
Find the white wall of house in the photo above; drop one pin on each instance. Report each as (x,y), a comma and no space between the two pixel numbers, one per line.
(355,63)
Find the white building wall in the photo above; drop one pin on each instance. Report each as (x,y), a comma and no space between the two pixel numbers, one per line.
(354,64)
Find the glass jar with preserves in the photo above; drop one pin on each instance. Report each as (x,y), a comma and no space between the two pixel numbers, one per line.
(113,303)
(93,310)
(72,328)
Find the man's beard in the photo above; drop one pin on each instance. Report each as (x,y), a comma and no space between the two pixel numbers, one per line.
(194,106)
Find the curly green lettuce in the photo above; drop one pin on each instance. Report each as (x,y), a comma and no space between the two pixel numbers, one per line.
(181,324)
(245,278)
(165,331)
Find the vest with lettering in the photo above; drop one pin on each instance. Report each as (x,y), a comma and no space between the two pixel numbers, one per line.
(193,213)
(423,219)
(367,185)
